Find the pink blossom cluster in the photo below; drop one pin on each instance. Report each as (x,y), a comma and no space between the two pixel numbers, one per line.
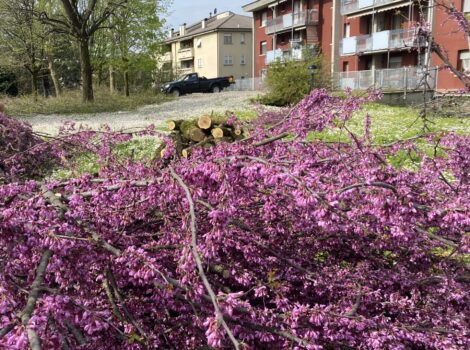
(306,245)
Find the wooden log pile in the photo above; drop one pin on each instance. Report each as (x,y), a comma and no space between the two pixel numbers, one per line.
(206,131)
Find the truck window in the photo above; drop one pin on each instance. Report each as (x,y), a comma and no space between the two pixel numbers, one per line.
(191,77)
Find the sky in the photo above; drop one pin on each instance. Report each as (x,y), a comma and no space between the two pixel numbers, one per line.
(191,11)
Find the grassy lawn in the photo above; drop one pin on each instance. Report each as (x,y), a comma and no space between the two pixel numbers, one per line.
(71,103)
(391,123)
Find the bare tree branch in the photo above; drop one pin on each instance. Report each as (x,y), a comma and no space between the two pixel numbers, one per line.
(198,260)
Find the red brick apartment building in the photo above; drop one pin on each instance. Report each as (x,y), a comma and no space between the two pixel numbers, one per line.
(366,42)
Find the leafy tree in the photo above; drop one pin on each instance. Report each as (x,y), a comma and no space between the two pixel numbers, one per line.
(135,34)
(82,19)
(23,38)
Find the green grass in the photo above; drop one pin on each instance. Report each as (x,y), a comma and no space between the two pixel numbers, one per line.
(71,103)
(392,123)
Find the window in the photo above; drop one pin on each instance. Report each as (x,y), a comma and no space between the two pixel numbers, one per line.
(264,18)
(228,39)
(191,77)
(395,62)
(263,48)
(347,30)
(345,66)
(200,63)
(228,60)
(242,60)
(465,6)
(242,38)
(464,62)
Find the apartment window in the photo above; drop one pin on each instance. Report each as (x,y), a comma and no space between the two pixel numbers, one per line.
(395,62)
(264,18)
(228,60)
(200,63)
(347,30)
(242,60)
(242,38)
(228,39)
(263,48)
(465,6)
(464,62)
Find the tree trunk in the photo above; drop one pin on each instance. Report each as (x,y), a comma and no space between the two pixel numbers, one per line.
(126,83)
(86,71)
(34,84)
(112,80)
(55,78)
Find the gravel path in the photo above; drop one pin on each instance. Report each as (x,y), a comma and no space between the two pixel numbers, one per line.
(183,107)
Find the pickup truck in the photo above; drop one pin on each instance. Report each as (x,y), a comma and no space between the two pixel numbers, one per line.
(189,83)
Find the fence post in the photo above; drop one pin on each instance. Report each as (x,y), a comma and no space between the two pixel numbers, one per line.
(405,83)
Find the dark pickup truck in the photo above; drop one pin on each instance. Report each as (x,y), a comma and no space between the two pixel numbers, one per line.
(189,83)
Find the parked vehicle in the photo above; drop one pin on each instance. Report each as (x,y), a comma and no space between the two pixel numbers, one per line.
(190,83)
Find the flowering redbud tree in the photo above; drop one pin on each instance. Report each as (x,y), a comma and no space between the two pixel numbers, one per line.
(271,242)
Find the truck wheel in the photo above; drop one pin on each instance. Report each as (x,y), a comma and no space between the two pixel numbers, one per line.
(216,88)
(175,93)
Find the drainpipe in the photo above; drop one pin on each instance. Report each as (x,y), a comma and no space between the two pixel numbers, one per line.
(253,44)
(292,25)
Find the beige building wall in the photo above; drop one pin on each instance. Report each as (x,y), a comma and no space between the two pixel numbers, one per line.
(205,55)
(210,53)
(236,51)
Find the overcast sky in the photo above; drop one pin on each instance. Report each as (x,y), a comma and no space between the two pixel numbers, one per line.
(191,11)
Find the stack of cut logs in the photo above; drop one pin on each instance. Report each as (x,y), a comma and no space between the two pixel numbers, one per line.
(205,131)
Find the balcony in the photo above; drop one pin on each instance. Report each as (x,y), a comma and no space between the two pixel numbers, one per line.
(183,71)
(299,19)
(349,7)
(296,54)
(395,79)
(381,41)
(185,54)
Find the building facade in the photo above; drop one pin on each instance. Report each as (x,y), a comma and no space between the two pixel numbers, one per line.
(288,29)
(366,42)
(217,46)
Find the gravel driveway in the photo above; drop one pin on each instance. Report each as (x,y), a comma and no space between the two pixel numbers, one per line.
(183,107)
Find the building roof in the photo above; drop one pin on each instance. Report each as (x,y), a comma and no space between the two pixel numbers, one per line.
(259,4)
(223,21)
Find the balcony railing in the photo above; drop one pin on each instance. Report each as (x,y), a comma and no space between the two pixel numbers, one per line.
(290,20)
(394,79)
(183,71)
(186,54)
(381,41)
(296,54)
(350,6)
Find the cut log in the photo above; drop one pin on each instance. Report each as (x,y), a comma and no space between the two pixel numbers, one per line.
(204,122)
(162,152)
(207,142)
(158,152)
(217,133)
(219,120)
(191,131)
(174,125)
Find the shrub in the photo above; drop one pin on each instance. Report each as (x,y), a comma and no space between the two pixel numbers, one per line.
(289,82)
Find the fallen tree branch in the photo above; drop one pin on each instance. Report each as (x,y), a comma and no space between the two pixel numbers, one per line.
(271,139)
(198,260)
(26,314)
